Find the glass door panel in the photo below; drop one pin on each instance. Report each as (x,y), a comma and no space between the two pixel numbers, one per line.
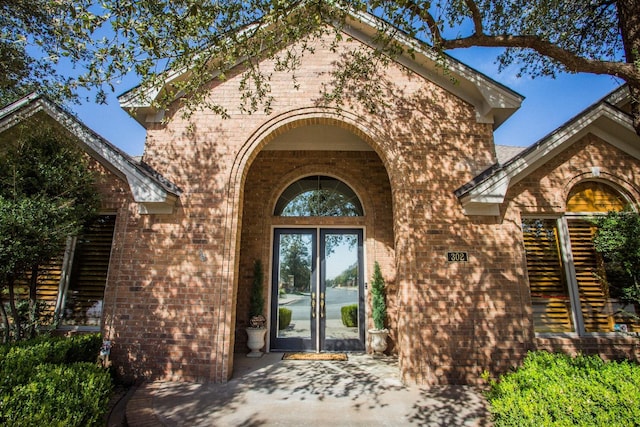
(294,301)
(341,283)
(307,305)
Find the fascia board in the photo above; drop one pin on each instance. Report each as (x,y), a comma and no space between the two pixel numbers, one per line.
(619,96)
(141,97)
(616,128)
(9,116)
(590,122)
(599,121)
(145,190)
(494,103)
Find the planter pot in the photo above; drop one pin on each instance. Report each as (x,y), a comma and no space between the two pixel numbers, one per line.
(378,340)
(256,341)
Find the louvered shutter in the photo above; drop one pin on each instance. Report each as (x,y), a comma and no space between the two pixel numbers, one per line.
(547,283)
(601,313)
(49,283)
(83,304)
(590,276)
(47,287)
(591,196)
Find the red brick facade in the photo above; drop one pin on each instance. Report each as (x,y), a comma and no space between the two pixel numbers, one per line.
(178,290)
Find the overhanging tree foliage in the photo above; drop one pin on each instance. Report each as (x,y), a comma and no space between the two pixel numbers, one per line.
(618,240)
(110,38)
(46,195)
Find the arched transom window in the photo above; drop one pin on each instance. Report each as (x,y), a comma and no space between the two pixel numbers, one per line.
(318,196)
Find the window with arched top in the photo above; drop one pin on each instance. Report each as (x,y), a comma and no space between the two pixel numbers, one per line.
(572,288)
(594,196)
(318,196)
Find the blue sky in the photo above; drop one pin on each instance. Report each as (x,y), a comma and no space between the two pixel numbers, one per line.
(548,103)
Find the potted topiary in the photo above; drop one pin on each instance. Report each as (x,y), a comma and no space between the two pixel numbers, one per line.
(379,333)
(257,330)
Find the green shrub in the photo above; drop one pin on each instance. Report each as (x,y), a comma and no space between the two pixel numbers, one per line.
(284,318)
(58,395)
(18,360)
(556,389)
(53,382)
(378,298)
(349,315)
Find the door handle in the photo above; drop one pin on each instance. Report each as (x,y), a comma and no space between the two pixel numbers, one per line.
(313,305)
(322,304)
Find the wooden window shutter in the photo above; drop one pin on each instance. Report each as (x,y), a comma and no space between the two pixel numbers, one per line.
(590,276)
(592,196)
(47,287)
(547,281)
(83,304)
(600,311)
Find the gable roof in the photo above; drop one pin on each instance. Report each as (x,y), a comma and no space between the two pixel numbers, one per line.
(609,119)
(493,102)
(504,153)
(152,192)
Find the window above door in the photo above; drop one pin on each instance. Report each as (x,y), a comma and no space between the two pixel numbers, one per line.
(317,196)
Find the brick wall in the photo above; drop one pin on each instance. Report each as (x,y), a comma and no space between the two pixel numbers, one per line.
(183,278)
(269,175)
(545,191)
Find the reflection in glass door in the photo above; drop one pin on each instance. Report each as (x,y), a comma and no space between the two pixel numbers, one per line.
(341,280)
(307,303)
(294,300)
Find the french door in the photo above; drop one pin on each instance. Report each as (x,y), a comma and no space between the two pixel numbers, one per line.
(317,287)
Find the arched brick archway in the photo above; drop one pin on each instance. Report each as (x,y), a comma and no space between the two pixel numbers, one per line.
(269,166)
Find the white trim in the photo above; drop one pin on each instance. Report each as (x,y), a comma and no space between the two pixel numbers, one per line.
(493,102)
(570,274)
(65,277)
(151,196)
(608,123)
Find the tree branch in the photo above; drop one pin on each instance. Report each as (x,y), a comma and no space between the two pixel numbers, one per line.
(568,59)
(476,16)
(429,19)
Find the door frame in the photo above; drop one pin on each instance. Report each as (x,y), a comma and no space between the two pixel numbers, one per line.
(318,341)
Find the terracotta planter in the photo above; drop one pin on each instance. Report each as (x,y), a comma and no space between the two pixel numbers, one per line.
(256,341)
(378,340)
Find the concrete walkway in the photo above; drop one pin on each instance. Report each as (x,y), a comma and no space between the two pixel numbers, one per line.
(363,391)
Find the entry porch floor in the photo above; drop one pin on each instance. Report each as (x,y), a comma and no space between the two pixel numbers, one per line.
(269,391)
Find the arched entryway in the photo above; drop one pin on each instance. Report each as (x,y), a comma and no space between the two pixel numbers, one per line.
(317,280)
(322,190)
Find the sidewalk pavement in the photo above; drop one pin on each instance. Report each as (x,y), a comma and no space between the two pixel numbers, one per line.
(363,391)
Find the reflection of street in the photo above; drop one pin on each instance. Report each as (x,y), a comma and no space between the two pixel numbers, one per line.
(300,306)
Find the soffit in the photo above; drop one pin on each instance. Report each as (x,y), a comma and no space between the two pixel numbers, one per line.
(153,193)
(318,138)
(484,194)
(493,102)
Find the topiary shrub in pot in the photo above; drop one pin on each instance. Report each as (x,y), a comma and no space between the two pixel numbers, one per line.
(379,333)
(257,330)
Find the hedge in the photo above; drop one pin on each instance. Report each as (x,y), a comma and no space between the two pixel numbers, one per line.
(284,318)
(17,360)
(349,315)
(556,389)
(59,395)
(53,382)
